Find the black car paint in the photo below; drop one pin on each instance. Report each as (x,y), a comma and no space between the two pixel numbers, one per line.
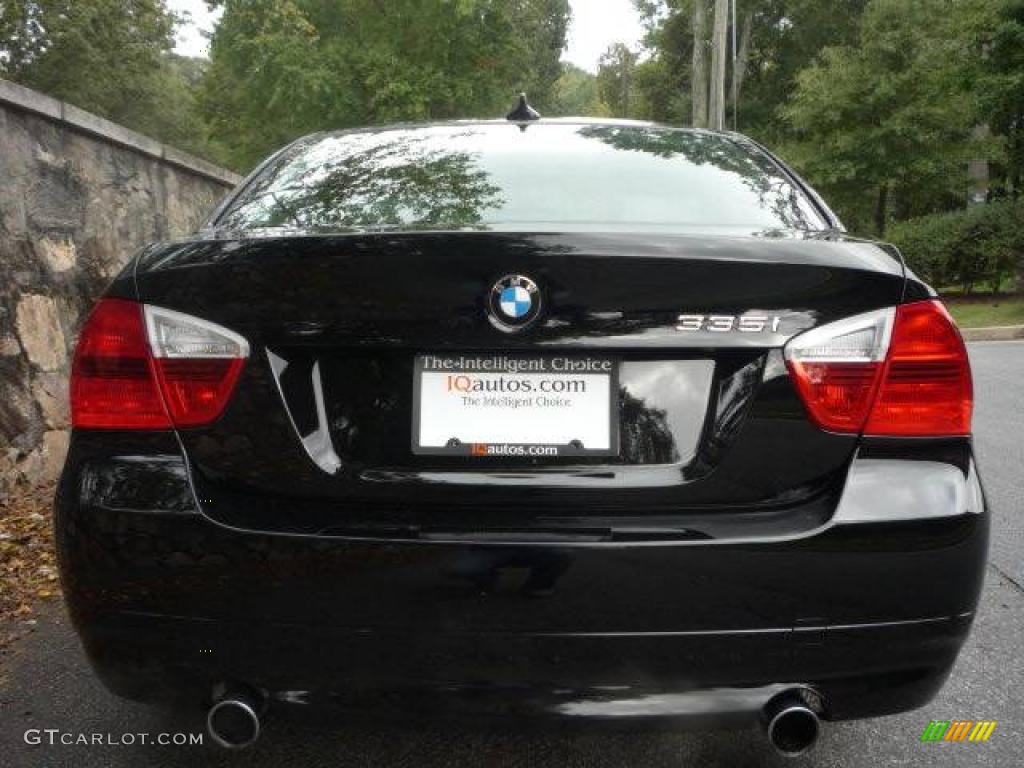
(361,305)
(582,590)
(170,601)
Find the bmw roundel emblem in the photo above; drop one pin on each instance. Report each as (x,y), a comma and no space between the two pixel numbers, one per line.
(514,303)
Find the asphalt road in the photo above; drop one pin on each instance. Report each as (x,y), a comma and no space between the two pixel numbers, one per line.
(47,684)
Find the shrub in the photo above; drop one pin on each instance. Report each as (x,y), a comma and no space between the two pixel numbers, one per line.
(983,243)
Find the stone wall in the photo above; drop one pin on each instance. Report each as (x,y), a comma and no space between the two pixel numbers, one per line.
(78,196)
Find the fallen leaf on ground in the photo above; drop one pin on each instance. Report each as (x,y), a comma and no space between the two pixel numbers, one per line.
(28,571)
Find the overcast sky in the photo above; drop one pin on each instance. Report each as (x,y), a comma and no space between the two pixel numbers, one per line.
(596,24)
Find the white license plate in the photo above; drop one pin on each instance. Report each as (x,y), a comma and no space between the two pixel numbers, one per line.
(515,406)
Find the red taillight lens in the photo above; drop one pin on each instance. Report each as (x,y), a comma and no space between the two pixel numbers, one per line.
(196,391)
(112,382)
(927,387)
(143,367)
(838,395)
(901,372)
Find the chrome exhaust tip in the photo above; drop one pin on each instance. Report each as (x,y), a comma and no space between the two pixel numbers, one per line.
(233,722)
(792,724)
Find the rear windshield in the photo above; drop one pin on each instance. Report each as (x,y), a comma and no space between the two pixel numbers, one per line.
(550,177)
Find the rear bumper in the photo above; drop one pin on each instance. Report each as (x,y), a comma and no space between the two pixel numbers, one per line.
(711,678)
(869,613)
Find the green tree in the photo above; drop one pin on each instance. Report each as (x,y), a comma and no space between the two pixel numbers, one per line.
(775,40)
(616,81)
(999,84)
(885,125)
(966,247)
(575,94)
(663,78)
(111,57)
(397,179)
(21,35)
(282,68)
(104,55)
(785,37)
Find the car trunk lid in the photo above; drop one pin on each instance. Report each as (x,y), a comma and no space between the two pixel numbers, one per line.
(319,435)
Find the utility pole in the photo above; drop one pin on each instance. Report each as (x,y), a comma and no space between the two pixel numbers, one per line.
(739,67)
(716,108)
(735,83)
(699,70)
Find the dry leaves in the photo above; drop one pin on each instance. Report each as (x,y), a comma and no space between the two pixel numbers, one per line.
(28,568)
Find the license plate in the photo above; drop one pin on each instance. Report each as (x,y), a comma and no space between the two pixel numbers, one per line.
(515,406)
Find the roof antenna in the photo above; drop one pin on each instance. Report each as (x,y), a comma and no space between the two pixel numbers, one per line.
(523,113)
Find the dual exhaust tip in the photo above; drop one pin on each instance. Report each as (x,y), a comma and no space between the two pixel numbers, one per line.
(790,719)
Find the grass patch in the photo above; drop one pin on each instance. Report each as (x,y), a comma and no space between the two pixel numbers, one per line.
(981,312)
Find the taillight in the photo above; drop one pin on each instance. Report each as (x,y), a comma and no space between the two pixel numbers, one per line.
(197,364)
(836,368)
(112,382)
(142,367)
(927,387)
(892,372)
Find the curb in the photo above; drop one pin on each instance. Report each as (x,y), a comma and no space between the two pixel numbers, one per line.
(994,333)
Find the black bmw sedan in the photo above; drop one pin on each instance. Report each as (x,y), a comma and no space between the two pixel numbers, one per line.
(549,420)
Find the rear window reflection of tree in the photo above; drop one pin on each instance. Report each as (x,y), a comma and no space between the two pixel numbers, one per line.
(404,182)
(774,192)
(376,182)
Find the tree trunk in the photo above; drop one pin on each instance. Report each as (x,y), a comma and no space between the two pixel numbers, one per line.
(881,208)
(699,70)
(719,57)
(626,89)
(742,57)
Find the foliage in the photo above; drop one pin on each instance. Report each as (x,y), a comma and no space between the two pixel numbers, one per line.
(663,94)
(399,179)
(574,94)
(982,243)
(787,37)
(615,80)
(663,77)
(886,126)
(880,103)
(28,566)
(111,57)
(283,68)
(104,55)
(999,83)
(784,37)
